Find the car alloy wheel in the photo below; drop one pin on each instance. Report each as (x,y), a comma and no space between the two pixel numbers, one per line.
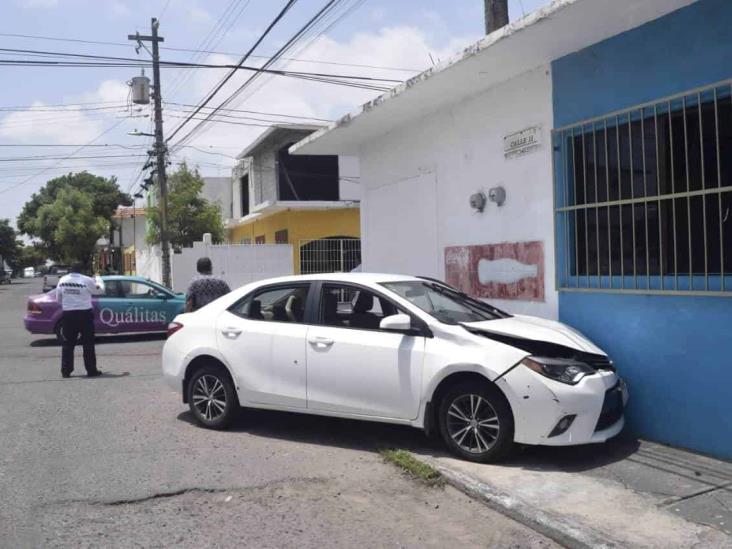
(209,397)
(212,397)
(473,423)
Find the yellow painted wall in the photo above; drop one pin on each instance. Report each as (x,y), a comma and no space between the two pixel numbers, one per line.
(301,225)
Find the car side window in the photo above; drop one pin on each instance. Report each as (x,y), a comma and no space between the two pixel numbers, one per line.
(112,289)
(351,307)
(278,304)
(137,290)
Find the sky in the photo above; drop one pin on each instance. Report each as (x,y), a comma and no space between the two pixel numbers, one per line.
(69,107)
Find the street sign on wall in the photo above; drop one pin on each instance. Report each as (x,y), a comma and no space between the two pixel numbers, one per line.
(522,142)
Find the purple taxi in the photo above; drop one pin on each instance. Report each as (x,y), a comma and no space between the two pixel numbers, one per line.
(129,304)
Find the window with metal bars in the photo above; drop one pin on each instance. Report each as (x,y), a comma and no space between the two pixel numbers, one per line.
(643,197)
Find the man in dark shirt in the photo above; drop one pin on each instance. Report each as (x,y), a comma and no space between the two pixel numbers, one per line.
(205,287)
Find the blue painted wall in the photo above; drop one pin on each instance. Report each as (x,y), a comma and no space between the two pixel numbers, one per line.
(689,48)
(675,351)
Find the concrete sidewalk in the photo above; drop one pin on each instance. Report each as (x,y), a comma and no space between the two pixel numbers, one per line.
(625,493)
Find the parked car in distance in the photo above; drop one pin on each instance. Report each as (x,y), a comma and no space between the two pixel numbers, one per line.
(5,277)
(395,349)
(51,278)
(129,304)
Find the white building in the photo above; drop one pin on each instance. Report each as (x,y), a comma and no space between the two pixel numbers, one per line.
(218,191)
(430,145)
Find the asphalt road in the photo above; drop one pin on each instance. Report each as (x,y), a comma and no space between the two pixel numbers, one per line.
(116,462)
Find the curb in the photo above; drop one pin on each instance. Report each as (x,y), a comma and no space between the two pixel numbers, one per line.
(556,527)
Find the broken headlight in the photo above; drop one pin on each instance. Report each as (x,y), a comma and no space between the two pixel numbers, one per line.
(564,370)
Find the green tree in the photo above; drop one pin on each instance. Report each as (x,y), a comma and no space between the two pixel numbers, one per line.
(104,196)
(189,214)
(9,243)
(74,226)
(34,256)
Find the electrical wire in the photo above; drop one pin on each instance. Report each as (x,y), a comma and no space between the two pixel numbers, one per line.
(231,73)
(307,39)
(78,150)
(212,41)
(175,64)
(248,82)
(189,50)
(256,112)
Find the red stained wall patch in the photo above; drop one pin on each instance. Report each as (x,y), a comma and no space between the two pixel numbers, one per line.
(509,270)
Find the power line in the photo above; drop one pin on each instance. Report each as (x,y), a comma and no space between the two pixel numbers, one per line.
(28,179)
(51,157)
(221,84)
(210,41)
(132,62)
(257,112)
(162,11)
(189,50)
(267,64)
(310,36)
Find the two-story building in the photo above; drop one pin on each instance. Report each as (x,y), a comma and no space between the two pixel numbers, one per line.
(311,202)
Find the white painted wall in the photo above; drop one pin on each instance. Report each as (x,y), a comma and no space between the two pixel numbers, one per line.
(349,186)
(149,262)
(416,183)
(218,190)
(237,264)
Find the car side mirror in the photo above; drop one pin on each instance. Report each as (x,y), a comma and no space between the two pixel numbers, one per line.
(396,323)
(161,296)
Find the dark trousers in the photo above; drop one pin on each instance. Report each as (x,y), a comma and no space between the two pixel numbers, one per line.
(74,324)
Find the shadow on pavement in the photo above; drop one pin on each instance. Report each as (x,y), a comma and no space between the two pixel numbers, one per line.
(104,339)
(326,431)
(105,375)
(373,436)
(574,459)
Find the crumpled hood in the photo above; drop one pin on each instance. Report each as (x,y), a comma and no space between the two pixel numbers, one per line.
(537,329)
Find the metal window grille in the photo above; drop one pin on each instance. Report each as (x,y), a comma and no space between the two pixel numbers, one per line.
(330,255)
(642,197)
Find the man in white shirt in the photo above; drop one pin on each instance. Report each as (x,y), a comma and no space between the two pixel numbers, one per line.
(74,292)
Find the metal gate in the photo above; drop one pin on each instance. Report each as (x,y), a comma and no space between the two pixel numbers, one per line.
(330,255)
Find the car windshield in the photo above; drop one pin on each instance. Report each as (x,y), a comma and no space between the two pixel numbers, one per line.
(444,303)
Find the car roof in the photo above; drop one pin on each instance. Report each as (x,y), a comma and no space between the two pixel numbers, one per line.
(363,278)
(130,278)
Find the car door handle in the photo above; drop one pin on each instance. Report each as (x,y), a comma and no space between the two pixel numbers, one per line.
(320,341)
(231,333)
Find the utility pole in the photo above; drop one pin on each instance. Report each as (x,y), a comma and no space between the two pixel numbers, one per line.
(160,148)
(496,15)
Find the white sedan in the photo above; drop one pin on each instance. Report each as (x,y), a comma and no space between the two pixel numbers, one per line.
(395,349)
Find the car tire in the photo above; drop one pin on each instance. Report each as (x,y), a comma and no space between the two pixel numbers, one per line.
(212,397)
(476,422)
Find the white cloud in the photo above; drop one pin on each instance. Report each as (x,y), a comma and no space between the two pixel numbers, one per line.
(67,125)
(119,9)
(400,47)
(37,3)
(199,15)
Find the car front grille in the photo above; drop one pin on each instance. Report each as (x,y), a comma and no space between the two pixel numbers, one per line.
(598,362)
(612,408)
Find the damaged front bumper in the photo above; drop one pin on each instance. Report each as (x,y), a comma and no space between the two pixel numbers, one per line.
(542,407)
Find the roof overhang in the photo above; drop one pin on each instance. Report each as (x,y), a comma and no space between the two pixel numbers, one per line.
(561,28)
(272,130)
(271,207)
